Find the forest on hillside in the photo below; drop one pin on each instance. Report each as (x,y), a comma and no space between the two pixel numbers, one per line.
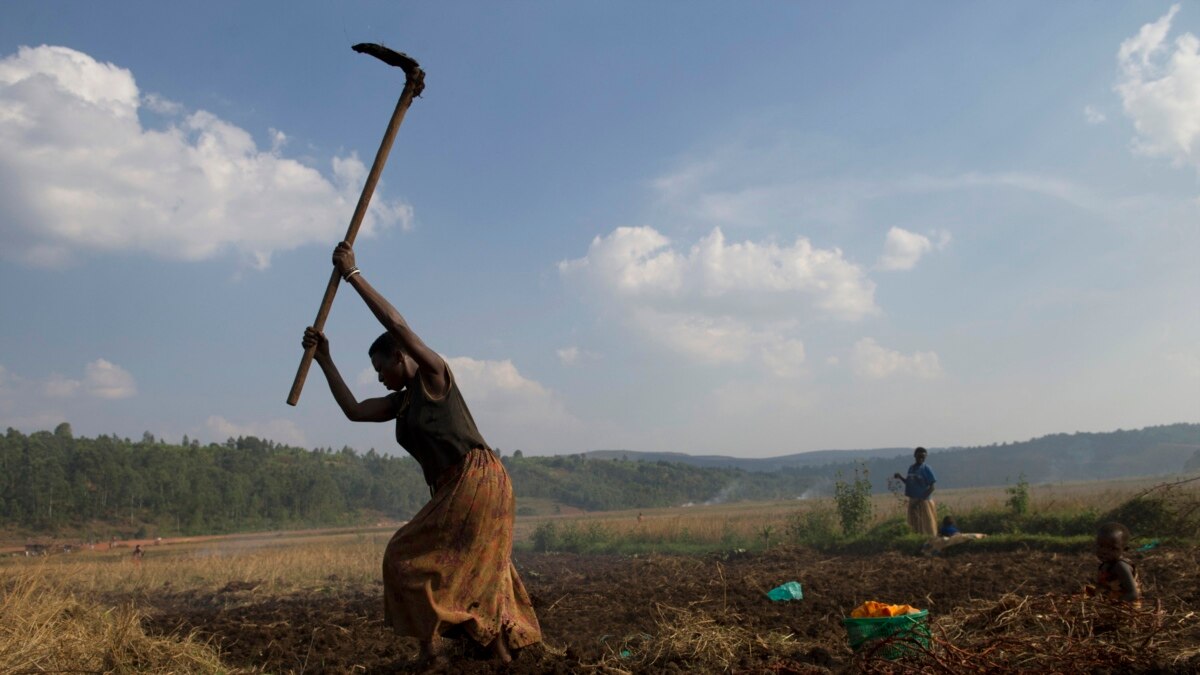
(55,481)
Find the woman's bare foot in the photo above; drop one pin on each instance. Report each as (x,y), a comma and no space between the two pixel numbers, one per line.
(499,649)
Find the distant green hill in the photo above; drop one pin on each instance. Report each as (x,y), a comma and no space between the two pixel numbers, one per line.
(1080,456)
(1152,451)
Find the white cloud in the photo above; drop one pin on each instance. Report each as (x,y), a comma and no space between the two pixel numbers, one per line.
(1159,85)
(903,249)
(79,172)
(1092,115)
(278,430)
(506,404)
(639,263)
(718,302)
(873,361)
(108,380)
(102,379)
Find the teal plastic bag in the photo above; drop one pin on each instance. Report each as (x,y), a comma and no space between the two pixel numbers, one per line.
(789,591)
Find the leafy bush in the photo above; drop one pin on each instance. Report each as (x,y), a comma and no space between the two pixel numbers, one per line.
(571,538)
(1060,523)
(1164,511)
(1056,523)
(1018,496)
(854,501)
(545,537)
(889,530)
(813,527)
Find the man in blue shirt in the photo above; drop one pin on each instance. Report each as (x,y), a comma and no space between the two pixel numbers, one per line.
(918,487)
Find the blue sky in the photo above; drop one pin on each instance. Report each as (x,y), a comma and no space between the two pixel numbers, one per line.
(749,229)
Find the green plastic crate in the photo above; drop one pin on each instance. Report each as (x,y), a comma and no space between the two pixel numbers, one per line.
(906,631)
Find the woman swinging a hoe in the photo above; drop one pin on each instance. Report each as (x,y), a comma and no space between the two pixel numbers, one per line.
(450,567)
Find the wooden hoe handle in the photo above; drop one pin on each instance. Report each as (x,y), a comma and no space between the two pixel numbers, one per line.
(413,85)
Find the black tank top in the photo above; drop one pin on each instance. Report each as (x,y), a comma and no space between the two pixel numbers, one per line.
(437,432)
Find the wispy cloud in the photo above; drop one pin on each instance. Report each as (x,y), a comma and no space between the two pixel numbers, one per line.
(101,379)
(507,405)
(79,172)
(722,340)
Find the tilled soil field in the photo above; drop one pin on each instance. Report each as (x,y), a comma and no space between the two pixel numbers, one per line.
(696,614)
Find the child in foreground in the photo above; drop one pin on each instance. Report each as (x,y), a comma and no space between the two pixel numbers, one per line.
(1116,578)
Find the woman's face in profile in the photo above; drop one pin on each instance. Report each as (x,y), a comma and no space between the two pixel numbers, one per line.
(395,370)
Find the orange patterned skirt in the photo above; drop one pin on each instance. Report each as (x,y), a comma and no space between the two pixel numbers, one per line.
(922,516)
(451,565)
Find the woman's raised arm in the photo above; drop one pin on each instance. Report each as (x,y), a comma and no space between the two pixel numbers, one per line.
(432,367)
(369,410)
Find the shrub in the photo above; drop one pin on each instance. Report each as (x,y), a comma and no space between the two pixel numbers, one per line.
(814,526)
(1163,511)
(854,501)
(1018,496)
(579,538)
(545,537)
(889,530)
(1061,523)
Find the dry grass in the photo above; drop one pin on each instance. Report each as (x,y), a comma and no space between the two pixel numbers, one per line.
(54,618)
(740,522)
(691,635)
(44,628)
(746,521)
(274,564)
(1055,633)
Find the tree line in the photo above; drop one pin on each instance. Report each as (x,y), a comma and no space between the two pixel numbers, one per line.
(57,482)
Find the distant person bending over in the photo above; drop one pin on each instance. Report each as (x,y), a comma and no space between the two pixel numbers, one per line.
(451,565)
(1116,578)
(918,487)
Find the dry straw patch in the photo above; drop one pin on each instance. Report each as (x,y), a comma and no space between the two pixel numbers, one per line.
(272,565)
(713,641)
(80,612)
(45,629)
(1055,633)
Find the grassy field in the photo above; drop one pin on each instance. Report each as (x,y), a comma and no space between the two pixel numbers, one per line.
(758,524)
(81,611)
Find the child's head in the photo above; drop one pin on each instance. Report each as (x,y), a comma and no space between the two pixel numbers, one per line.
(1112,540)
(948,521)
